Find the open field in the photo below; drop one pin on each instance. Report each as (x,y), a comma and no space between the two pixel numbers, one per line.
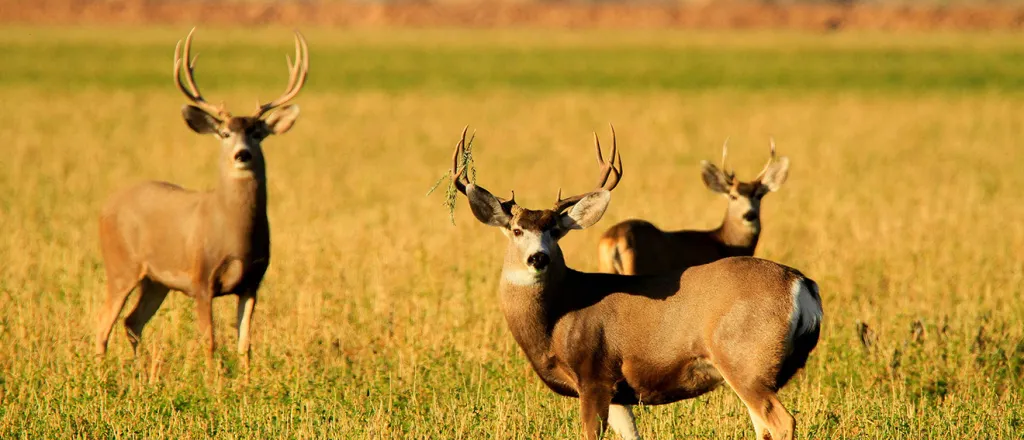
(379,319)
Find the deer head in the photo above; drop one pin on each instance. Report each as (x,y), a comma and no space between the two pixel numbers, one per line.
(240,136)
(745,197)
(533,234)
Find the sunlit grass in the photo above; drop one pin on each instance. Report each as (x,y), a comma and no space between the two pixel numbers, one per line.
(378,318)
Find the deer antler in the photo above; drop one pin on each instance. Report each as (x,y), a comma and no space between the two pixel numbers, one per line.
(608,176)
(296,76)
(771,159)
(725,151)
(459,172)
(182,56)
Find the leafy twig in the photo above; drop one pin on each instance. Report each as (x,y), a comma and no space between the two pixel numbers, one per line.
(451,193)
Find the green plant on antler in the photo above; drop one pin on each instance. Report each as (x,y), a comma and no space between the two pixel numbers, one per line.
(451,193)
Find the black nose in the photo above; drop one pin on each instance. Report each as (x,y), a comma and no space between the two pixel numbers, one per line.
(243,156)
(750,216)
(538,260)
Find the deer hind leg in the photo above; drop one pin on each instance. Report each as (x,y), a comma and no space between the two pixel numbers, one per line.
(151,296)
(118,290)
(770,418)
(620,418)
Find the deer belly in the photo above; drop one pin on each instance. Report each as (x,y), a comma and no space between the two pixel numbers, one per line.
(173,279)
(653,385)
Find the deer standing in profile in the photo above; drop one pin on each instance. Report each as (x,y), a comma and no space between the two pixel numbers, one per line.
(637,247)
(158,236)
(616,340)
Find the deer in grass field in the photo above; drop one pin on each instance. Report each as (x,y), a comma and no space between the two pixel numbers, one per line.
(616,340)
(158,236)
(637,247)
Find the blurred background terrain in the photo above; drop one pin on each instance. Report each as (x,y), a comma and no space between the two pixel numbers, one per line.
(378,318)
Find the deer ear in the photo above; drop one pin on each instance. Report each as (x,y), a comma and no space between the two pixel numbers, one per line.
(713,177)
(776,174)
(486,207)
(587,211)
(199,121)
(282,119)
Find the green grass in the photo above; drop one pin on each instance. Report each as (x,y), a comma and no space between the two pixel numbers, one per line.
(379,319)
(653,61)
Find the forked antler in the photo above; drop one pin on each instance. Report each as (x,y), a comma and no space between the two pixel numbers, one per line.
(771,159)
(184,61)
(296,76)
(182,56)
(608,176)
(459,173)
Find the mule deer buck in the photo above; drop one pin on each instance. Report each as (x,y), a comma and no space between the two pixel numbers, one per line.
(158,236)
(637,247)
(616,340)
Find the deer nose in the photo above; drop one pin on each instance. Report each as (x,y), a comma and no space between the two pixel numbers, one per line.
(750,216)
(538,260)
(243,156)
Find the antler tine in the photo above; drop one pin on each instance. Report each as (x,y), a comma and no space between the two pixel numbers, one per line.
(725,151)
(458,172)
(610,171)
(296,76)
(608,176)
(771,158)
(182,55)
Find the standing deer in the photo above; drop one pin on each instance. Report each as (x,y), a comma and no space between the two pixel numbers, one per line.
(616,340)
(158,236)
(637,247)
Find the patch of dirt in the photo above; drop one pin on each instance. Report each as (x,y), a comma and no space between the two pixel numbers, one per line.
(508,14)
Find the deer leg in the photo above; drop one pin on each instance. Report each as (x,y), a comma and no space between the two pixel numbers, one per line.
(760,430)
(780,422)
(594,402)
(770,418)
(246,307)
(621,419)
(204,314)
(151,296)
(118,289)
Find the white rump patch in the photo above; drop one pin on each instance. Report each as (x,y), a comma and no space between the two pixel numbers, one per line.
(807,311)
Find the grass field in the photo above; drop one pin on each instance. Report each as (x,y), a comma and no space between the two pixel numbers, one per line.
(379,319)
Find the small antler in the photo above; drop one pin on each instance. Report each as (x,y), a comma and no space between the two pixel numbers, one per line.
(182,56)
(771,158)
(459,172)
(296,76)
(731,175)
(608,175)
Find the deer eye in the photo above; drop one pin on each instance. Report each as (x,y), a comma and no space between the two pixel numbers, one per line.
(517,232)
(225,134)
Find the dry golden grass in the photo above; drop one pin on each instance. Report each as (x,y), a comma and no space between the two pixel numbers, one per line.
(378,318)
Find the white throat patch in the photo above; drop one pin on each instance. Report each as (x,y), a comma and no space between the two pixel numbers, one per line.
(521,277)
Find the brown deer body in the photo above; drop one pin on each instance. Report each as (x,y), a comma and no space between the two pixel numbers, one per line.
(638,247)
(156,236)
(614,340)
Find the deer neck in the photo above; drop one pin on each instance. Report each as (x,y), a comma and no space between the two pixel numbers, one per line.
(531,303)
(735,232)
(243,202)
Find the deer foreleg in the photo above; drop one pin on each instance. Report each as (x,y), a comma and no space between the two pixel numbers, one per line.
(246,307)
(594,401)
(204,315)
